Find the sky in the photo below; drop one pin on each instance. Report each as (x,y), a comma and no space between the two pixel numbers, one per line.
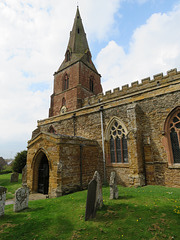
(129,40)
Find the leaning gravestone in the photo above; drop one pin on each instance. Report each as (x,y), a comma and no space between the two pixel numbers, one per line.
(91,199)
(2,200)
(14,177)
(24,176)
(99,196)
(113,186)
(21,199)
(94,197)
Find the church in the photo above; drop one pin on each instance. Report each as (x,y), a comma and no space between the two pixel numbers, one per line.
(134,131)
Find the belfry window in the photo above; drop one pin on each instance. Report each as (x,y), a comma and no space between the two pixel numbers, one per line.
(91,83)
(174,131)
(66,82)
(118,143)
(68,56)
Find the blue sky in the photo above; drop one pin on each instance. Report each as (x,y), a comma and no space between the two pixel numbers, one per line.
(129,40)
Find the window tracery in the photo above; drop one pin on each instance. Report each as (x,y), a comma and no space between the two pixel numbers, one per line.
(118,143)
(174,131)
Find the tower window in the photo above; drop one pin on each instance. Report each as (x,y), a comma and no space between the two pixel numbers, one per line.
(78,30)
(91,84)
(88,56)
(63,102)
(68,56)
(66,82)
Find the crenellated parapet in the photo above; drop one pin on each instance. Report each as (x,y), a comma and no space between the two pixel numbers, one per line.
(158,81)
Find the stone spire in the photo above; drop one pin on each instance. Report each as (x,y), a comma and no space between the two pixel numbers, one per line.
(77,49)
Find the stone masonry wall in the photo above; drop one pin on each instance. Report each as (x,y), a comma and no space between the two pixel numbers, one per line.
(155,100)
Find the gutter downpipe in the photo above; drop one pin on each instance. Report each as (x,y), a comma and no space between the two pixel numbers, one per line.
(102,134)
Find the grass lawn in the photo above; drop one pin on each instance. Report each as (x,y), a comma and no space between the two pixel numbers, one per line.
(151,212)
(11,187)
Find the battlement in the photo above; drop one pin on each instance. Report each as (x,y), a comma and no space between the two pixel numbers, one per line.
(159,80)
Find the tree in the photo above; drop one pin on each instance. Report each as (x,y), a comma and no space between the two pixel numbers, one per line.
(19,161)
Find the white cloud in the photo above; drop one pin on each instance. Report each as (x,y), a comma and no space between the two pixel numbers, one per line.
(33,40)
(154,48)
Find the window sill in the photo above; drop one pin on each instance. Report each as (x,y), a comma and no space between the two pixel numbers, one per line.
(118,165)
(174,166)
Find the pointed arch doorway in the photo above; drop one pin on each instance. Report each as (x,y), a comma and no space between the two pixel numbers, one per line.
(43,175)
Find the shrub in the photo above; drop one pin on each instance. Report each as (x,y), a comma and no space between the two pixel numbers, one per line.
(19,161)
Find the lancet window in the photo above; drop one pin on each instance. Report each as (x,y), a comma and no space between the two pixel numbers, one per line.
(66,82)
(91,83)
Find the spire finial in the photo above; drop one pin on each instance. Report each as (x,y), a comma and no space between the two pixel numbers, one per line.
(77,4)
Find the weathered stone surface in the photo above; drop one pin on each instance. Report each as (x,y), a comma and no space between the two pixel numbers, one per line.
(21,199)
(14,177)
(143,109)
(2,200)
(99,196)
(94,196)
(91,200)
(24,176)
(113,186)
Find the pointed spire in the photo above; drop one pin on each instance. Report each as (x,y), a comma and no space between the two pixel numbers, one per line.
(77,48)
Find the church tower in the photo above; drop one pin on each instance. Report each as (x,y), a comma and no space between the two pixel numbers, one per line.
(77,77)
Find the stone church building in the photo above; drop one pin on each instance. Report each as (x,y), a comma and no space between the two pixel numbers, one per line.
(134,131)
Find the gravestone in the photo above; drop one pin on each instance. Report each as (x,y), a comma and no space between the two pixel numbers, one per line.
(24,176)
(94,197)
(14,177)
(113,186)
(99,196)
(91,199)
(21,199)
(2,200)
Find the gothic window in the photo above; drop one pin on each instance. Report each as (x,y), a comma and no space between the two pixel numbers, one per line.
(68,56)
(174,131)
(117,142)
(66,82)
(51,130)
(88,56)
(91,83)
(63,101)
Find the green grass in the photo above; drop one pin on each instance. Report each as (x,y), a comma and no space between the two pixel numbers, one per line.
(11,187)
(151,212)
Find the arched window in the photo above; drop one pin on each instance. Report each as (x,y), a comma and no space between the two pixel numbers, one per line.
(68,56)
(116,134)
(51,130)
(63,101)
(88,56)
(172,131)
(91,83)
(66,82)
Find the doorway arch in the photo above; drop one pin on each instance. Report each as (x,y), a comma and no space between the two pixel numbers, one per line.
(41,173)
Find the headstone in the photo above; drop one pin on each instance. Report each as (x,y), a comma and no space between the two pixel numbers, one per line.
(91,199)
(2,200)
(113,186)
(24,176)
(21,199)
(99,196)
(94,197)
(14,177)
